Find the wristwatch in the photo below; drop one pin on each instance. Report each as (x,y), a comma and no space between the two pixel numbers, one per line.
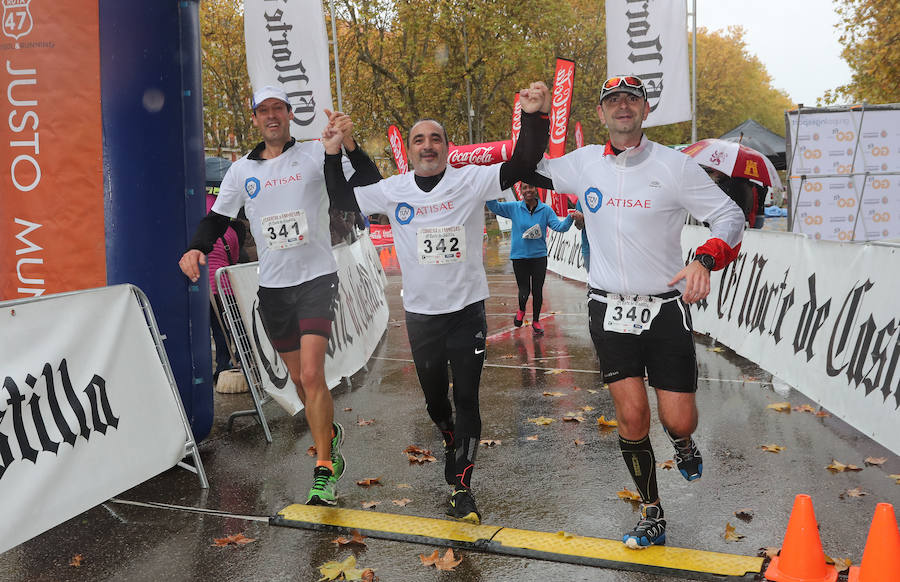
(707,261)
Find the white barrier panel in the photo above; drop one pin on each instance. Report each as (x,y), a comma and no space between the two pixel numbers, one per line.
(360,320)
(90,408)
(820,315)
(564,254)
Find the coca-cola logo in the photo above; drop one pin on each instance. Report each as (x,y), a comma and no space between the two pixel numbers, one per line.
(397,148)
(481,156)
(517,118)
(562,97)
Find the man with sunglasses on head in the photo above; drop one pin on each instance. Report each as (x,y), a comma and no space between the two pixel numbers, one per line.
(636,195)
(280,184)
(437,217)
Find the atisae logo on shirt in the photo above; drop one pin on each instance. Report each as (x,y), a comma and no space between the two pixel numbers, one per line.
(593,199)
(251,185)
(404,213)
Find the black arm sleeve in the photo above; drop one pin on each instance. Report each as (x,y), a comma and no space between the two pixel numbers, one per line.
(529,149)
(208,232)
(365,171)
(539,180)
(340,192)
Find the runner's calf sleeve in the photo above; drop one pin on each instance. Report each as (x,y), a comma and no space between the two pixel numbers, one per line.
(641,464)
(466,448)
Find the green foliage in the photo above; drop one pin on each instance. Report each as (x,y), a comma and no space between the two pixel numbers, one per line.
(870,34)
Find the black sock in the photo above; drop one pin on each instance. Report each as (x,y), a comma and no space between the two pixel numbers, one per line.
(641,464)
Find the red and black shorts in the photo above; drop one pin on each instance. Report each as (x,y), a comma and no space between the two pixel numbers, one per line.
(290,312)
(665,353)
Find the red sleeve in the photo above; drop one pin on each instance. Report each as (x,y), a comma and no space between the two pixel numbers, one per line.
(720,251)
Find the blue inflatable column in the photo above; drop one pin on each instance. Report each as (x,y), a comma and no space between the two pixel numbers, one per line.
(154,176)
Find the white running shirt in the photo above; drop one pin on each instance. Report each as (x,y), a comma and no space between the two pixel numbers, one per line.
(438,235)
(635,205)
(287,205)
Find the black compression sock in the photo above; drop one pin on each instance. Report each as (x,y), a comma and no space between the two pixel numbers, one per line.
(641,464)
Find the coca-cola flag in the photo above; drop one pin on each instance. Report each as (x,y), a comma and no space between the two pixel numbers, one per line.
(649,39)
(563,84)
(398,148)
(287,47)
(516,130)
(480,154)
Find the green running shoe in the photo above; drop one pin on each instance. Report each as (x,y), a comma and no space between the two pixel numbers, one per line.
(337,458)
(323,489)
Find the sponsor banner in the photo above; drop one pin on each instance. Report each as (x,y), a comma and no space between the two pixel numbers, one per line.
(830,333)
(561,106)
(52,233)
(398,148)
(360,320)
(516,130)
(381,234)
(852,207)
(88,410)
(287,47)
(564,254)
(649,39)
(480,154)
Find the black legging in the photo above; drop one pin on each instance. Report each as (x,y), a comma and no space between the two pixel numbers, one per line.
(530,274)
(456,338)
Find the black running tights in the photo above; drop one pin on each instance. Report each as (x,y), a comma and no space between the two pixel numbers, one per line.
(530,274)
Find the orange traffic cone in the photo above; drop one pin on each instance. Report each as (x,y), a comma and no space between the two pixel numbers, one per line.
(881,558)
(801,558)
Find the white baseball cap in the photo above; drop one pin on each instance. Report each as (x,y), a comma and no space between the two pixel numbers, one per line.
(269,92)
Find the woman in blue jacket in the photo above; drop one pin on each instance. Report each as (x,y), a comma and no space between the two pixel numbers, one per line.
(530,219)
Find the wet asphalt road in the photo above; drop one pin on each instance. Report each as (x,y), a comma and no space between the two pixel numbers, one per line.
(548,484)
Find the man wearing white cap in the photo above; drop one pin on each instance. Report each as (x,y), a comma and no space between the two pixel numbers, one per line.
(636,194)
(281,186)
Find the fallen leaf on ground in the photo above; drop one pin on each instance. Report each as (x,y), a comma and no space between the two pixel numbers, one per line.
(731,535)
(573,417)
(311,451)
(490,442)
(237,539)
(421,459)
(554,394)
(875,461)
(345,570)
(404,486)
(369,481)
(767,552)
(670,464)
(772,448)
(447,562)
(716,349)
(541,420)
(749,378)
(416,450)
(895,478)
(586,408)
(578,442)
(838,467)
(592,391)
(822,414)
(534,437)
(780,406)
(507,357)
(76,561)
(401,502)
(840,564)
(627,495)
(745,514)
(364,422)
(565,535)
(855,492)
(370,504)
(348,409)
(554,371)
(602,422)
(805,408)
(355,538)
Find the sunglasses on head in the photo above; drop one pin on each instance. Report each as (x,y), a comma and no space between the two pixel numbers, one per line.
(627,80)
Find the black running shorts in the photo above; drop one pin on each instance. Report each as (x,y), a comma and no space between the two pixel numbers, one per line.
(290,312)
(665,353)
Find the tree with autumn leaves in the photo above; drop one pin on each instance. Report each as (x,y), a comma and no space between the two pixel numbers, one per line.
(402,60)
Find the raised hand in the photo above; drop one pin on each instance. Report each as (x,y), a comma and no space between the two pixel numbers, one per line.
(332,138)
(344,124)
(535,98)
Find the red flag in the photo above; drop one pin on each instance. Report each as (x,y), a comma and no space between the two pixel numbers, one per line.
(563,84)
(480,154)
(516,129)
(398,148)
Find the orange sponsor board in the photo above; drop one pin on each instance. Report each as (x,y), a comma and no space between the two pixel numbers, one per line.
(52,236)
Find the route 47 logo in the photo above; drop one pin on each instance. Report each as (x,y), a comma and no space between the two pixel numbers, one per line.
(17,20)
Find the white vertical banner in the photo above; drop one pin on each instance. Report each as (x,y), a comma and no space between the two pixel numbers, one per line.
(648,38)
(287,47)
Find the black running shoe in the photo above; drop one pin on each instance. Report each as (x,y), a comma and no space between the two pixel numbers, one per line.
(462,506)
(687,457)
(650,530)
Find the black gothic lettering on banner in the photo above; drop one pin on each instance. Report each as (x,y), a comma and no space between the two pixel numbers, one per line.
(51,429)
(645,49)
(291,72)
(562,250)
(862,349)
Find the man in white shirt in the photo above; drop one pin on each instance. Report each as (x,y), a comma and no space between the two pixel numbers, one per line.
(635,195)
(437,218)
(280,184)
